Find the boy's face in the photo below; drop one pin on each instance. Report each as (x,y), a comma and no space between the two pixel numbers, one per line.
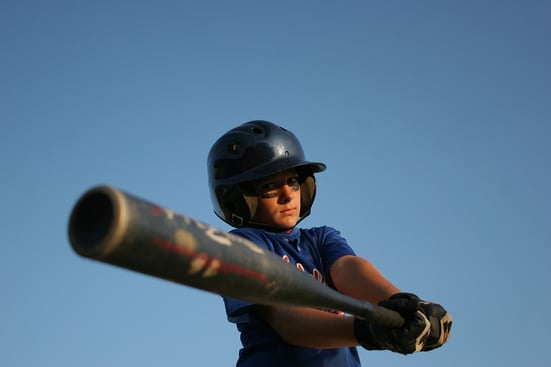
(278,200)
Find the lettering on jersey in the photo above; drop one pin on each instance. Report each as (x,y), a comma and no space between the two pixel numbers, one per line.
(316,274)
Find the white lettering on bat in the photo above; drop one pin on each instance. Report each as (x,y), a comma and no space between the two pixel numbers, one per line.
(215,234)
(227,239)
(169,213)
(218,236)
(250,245)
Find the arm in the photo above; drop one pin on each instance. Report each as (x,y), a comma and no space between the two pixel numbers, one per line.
(313,328)
(308,327)
(349,271)
(358,278)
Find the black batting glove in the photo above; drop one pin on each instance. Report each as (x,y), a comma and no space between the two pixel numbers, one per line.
(407,339)
(440,325)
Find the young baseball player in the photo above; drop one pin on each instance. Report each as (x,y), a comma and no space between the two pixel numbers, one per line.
(262,185)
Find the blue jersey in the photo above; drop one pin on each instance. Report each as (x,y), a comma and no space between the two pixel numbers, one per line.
(312,250)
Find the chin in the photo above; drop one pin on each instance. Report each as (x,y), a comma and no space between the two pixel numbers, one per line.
(287,224)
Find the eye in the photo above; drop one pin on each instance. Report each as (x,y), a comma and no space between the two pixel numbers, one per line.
(270,186)
(269,190)
(269,195)
(272,189)
(293,183)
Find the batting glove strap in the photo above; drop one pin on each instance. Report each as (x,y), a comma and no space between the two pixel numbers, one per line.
(440,325)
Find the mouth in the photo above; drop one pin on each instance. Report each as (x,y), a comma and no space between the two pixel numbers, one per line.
(289,211)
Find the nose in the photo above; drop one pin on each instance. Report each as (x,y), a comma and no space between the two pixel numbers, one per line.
(286,194)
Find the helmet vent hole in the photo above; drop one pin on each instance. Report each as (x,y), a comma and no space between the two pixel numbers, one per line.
(234,148)
(257,130)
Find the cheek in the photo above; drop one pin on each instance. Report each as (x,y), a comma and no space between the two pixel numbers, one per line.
(298,200)
(262,210)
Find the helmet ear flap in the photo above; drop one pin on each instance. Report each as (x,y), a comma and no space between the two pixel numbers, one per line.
(252,203)
(307,195)
(235,205)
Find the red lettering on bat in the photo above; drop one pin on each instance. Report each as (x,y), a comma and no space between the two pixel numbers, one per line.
(156,211)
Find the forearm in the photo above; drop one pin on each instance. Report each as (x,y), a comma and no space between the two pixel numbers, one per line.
(308,327)
(358,278)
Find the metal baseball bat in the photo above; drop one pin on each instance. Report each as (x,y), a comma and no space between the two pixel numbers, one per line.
(112,226)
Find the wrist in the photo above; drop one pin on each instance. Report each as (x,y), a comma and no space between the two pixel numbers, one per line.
(366,335)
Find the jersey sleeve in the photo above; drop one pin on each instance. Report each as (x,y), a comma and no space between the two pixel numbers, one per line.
(333,246)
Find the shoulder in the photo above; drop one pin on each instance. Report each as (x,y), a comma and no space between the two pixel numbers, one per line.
(322,232)
(328,240)
(259,237)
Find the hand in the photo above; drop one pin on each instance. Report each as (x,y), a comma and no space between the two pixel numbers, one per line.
(407,339)
(440,325)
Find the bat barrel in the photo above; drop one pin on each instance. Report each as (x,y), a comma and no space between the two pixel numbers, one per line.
(111,226)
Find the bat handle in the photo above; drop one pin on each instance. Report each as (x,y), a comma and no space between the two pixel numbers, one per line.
(380,315)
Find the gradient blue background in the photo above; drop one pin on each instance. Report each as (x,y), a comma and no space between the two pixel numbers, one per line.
(434,118)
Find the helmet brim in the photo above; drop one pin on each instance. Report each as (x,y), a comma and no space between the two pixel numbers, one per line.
(273,168)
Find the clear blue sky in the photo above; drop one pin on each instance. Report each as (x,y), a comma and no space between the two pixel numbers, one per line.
(433,117)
